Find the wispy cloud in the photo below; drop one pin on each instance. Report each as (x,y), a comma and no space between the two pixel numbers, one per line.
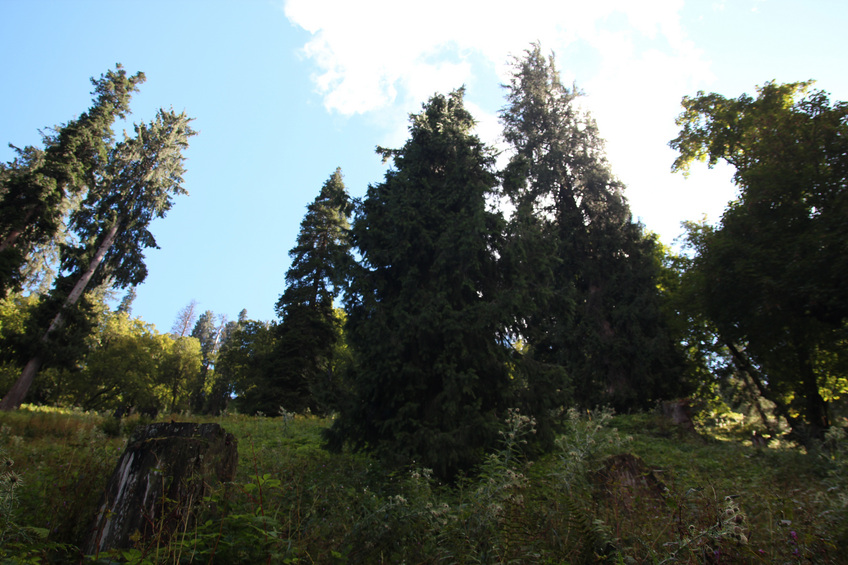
(370,53)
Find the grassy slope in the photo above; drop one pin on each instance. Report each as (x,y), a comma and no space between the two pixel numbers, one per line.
(715,501)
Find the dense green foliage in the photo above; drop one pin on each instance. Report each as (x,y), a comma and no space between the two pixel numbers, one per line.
(430,377)
(584,275)
(121,187)
(244,363)
(771,277)
(125,364)
(487,313)
(309,329)
(40,186)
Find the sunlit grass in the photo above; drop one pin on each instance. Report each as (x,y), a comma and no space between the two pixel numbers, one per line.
(782,503)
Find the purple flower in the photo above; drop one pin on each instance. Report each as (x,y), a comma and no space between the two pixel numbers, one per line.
(793,535)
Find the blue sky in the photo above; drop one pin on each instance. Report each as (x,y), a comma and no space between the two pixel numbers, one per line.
(283,92)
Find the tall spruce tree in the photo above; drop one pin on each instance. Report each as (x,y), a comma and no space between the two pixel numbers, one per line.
(584,273)
(308,331)
(430,375)
(211,336)
(37,188)
(134,184)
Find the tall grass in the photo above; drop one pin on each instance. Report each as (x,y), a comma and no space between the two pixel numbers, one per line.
(700,500)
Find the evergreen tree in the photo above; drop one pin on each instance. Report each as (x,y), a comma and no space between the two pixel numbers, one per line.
(134,184)
(308,331)
(430,375)
(127,301)
(37,189)
(210,336)
(584,273)
(244,363)
(220,385)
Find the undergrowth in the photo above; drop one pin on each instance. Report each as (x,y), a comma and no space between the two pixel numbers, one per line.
(618,489)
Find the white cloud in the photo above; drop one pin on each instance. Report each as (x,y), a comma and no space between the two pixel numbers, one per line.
(371,52)
(634,61)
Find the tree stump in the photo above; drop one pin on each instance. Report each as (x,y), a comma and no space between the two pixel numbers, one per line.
(679,412)
(626,479)
(164,473)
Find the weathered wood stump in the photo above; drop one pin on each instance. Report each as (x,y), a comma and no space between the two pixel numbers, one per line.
(625,478)
(679,412)
(165,472)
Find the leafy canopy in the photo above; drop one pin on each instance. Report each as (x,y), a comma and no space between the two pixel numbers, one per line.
(771,276)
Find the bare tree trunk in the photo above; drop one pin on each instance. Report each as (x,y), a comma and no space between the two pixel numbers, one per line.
(10,239)
(185,320)
(744,364)
(16,394)
(815,407)
(754,392)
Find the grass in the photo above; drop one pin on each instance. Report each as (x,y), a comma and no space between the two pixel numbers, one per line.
(696,499)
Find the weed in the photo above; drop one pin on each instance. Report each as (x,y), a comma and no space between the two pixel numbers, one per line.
(715,501)
(19,543)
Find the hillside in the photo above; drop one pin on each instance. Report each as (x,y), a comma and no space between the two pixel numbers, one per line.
(706,497)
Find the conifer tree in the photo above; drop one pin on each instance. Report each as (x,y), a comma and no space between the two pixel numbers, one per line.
(584,271)
(308,331)
(133,184)
(430,375)
(38,187)
(243,366)
(211,336)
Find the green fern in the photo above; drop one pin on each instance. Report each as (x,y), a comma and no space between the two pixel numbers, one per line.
(598,544)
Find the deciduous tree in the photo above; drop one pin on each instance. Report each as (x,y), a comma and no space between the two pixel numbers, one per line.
(129,365)
(772,275)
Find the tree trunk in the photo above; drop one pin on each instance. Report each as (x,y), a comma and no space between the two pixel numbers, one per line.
(16,394)
(744,364)
(10,239)
(815,407)
(755,399)
(105,245)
